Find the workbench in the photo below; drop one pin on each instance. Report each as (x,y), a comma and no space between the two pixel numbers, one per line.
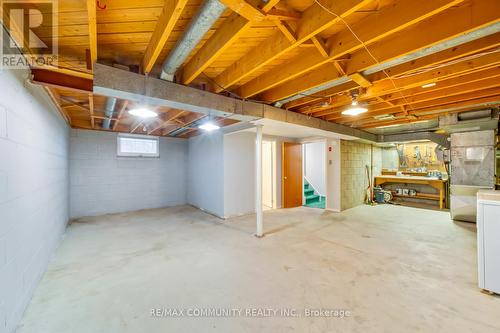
(439,184)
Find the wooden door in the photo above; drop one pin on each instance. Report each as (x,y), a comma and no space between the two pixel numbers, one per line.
(292,175)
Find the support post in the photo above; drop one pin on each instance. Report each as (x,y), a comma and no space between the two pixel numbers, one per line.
(258,182)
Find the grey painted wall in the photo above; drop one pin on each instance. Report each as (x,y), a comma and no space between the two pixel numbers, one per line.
(206,172)
(102,182)
(239,174)
(33,190)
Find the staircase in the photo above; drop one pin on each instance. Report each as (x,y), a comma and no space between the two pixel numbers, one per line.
(312,199)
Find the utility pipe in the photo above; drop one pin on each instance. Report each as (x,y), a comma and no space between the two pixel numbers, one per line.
(108,112)
(199,26)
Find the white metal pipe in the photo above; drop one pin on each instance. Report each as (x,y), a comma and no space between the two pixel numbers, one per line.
(258,182)
(199,26)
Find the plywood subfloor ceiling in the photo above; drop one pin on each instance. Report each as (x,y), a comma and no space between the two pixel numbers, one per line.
(309,56)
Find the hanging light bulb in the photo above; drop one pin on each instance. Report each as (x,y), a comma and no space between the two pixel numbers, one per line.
(143,113)
(209,125)
(355,108)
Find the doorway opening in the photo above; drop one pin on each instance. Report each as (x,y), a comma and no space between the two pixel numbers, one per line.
(314,174)
(304,174)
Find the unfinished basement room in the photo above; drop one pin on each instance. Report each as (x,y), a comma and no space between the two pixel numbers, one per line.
(249,166)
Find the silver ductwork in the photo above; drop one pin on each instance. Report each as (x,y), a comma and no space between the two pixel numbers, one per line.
(199,26)
(470,121)
(108,112)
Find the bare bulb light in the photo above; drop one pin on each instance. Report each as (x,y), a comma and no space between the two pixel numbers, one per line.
(429,85)
(354,111)
(143,113)
(209,126)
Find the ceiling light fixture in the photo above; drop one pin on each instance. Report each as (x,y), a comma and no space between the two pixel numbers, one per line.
(355,108)
(354,111)
(429,85)
(209,126)
(143,113)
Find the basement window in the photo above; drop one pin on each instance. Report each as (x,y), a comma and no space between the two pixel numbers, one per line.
(138,146)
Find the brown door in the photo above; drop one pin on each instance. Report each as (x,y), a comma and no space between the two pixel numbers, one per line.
(292,175)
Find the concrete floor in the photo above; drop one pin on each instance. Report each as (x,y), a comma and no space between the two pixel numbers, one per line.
(396,269)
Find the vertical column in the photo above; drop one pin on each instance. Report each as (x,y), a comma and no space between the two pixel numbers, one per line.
(258,182)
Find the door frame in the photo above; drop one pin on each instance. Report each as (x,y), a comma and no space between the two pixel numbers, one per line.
(273,172)
(325,160)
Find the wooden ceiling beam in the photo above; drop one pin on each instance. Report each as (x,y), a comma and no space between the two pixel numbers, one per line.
(305,102)
(320,45)
(474,81)
(171,12)
(61,81)
(188,120)
(485,44)
(66,71)
(490,100)
(387,86)
(425,104)
(230,31)
(54,96)
(388,20)
(433,112)
(494,91)
(308,81)
(92,25)
(170,118)
(286,30)
(456,52)
(456,20)
(360,79)
(282,15)
(244,9)
(121,111)
(450,91)
(456,81)
(314,20)
(470,16)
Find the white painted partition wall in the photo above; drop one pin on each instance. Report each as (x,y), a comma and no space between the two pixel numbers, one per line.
(239,174)
(206,173)
(333,180)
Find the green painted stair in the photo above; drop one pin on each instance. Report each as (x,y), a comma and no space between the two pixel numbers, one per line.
(312,200)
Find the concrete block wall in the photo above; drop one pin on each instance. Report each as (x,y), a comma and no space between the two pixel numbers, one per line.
(206,172)
(33,190)
(354,158)
(102,182)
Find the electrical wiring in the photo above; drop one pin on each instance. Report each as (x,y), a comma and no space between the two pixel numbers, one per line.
(456,61)
(232,93)
(365,47)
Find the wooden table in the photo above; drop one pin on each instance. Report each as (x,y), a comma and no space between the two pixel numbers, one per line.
(439,184)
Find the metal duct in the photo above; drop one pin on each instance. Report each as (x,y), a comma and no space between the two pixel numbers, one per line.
(469,121)
(440,139)
(108,112)
(199,26)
